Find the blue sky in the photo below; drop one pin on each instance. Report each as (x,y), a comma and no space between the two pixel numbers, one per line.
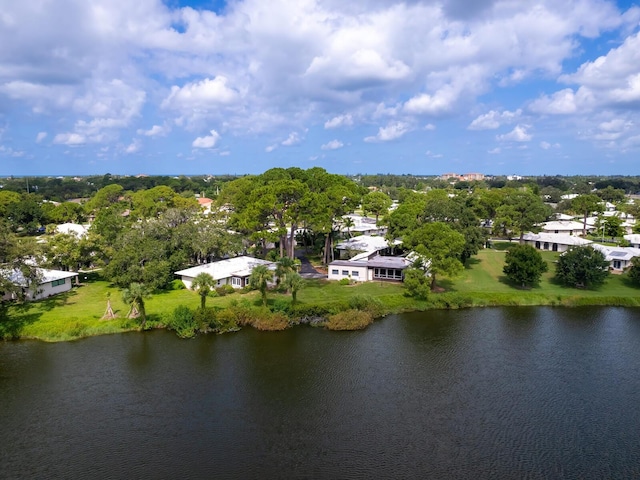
(369,86)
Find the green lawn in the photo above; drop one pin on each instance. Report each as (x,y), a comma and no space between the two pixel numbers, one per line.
(484,276)
(78,313)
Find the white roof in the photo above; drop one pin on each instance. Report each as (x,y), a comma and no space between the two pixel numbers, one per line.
(617,253)
(73,229)
(556,238)
(46,276)
(231,267)
(360,224)
(562,225)
(633,237)
(563,216)
(366,243)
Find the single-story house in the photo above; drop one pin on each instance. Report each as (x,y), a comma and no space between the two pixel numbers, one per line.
(232,271)
(566,227)
(633,239)
(369,268)
(205,204)
(619,258)
(564,216)
(365,244)
(51,282)
(362,225)
(555,242)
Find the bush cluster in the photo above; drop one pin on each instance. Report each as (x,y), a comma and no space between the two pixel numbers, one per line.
(351,319)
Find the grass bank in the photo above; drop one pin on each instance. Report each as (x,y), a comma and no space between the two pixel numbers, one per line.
(78,313)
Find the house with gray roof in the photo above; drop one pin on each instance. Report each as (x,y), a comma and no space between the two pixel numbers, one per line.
(367,268)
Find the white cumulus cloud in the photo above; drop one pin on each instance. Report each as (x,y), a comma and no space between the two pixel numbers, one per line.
(201,94)
(332,145)
(494,119)
(154,131)
(339,121)
(208,141)
(518,134)
(292,139)
(392,131)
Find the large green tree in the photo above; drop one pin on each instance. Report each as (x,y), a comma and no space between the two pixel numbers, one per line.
(582,267)
(442,245)
(524,265)
(634,271)
(586,205)
(521,211)
(377,203)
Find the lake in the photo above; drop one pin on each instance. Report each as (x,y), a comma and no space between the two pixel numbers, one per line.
(480,393)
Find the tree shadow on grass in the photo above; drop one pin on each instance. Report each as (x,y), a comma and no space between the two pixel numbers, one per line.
(11,325)
(471,262)
(445,285)
(56,301)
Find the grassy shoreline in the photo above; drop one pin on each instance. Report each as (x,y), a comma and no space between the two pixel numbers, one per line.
(77,314)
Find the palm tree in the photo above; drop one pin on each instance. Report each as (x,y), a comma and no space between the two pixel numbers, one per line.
(260,278)
(203,283)
(284,267)
(134,297)
(294,282)
(348,223)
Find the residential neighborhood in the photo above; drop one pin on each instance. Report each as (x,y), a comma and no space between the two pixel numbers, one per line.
(351,231)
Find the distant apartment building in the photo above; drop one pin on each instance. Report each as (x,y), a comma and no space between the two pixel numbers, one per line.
(468,177)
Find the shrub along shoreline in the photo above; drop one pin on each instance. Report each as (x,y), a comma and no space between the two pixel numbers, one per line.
(79,313)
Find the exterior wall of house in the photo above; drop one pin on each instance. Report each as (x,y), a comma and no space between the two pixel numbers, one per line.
(235,282)
(617,265)
(551,246)
(357,273)
(51,288)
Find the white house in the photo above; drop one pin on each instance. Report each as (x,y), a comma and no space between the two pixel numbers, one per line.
(369,268)
(363,225)
(52,282)
(232,271)
(565,227)
(555,242)
(365,244)
(619,258)
(205,204)
(633,239)
(564,216)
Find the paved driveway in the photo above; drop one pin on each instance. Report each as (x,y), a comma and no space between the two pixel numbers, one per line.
(306,269)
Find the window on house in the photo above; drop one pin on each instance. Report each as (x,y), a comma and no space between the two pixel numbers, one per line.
(55,283)
(334,272)
(345,272)
(236,281)
(354,273)
(391,273)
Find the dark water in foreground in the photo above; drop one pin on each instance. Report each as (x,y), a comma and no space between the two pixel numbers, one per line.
(483,393)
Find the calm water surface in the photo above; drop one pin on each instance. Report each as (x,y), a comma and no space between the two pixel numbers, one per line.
(482,393)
